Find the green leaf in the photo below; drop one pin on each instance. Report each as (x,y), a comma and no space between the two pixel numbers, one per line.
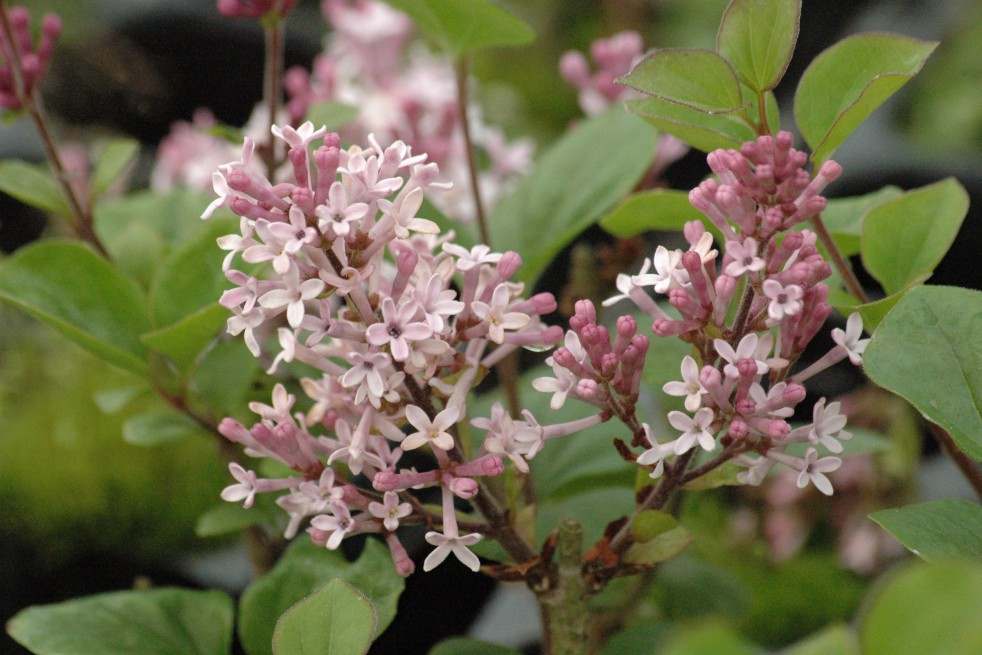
(467,646)
(81,295)
(936,530)
(694,95)
(926,350)
(693,77)
(905,238)
(834,640)
(926,608)
(304,568)
(651,523)
(721,476)
(581,462)
(184,341)
(223,376)
(757,37)
(190,278)
(156,428)
(848,81)
(463,26)
(332,114)
(663,547)
(154,622)
(32,185)
(709,638)
(872,312)
(656,209)
(116,155)
(843,217)
(226,519)
(139,228)
(572,185)
(337,619)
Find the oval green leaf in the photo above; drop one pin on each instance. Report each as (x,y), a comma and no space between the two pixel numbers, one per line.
(651,523)
(115,157)
(692,77)
(927,351)
(657,209)
(156,428)
(904,239)
(190,278)
(757,37)
(303,569)
(184,341)
(69,287)
(702,131)
(848,81)
(463,26)
(843,217)
(337,619)
(926,608)
(936,530)
(32,185)
(571,186)
(154,622)
(663,547)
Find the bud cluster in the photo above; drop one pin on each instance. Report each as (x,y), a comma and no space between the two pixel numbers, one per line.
(748,315)
(22,67)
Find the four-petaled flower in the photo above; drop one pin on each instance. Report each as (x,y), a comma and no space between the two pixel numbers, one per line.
(827,424)
(433,432)
(850,339)
(814,469)
(666,264)
(694,428)
(497,317)
(744,258)
(446,544)
(245,490)
(784,300)
(397,328)
(746,349)
(390,510)
(690,386)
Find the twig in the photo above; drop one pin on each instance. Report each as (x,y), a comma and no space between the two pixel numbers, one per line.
(848,277)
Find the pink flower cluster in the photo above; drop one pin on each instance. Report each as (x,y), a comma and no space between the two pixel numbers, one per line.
(403,93)
(399,321)
(614,58)
(748,315)
(23,66)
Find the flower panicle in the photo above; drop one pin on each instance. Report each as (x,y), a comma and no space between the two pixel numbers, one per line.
(398,321)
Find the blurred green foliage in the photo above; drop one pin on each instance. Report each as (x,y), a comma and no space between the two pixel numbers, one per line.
(69,484)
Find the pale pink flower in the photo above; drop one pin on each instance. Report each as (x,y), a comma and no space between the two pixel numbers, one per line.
(745,259)
(433,432)
(390,510)
(694,429)
(397,328)
(850,338)
(497,316)
(244,490)
(690,386)
(446,544)
(784,300)
(814,469)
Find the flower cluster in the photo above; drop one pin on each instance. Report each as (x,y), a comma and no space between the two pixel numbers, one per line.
(23,66)
(406,94)
(748,315)
(614,58)
(400,322)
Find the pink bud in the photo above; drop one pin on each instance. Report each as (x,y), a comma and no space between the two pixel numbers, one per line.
(738,429)
(508,264)
(463,487)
